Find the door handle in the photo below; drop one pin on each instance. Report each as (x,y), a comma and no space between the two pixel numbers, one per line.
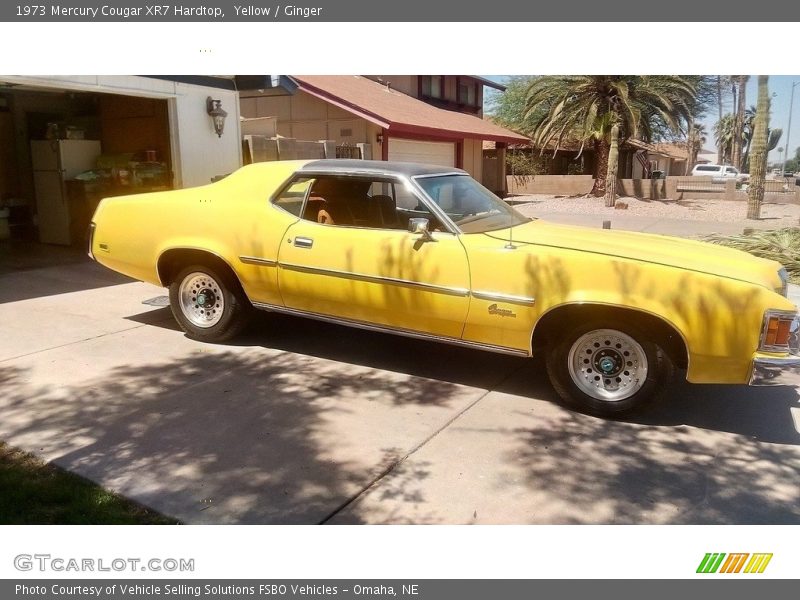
(303,242)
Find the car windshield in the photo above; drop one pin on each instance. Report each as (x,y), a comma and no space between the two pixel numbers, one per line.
(470,205)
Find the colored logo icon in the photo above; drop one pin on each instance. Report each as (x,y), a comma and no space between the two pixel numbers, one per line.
(742,562)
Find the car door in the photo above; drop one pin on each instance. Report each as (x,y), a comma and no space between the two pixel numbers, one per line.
(375,272)
(259,241)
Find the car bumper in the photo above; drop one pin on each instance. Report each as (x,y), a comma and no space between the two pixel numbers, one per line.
(776,371)
(779,370)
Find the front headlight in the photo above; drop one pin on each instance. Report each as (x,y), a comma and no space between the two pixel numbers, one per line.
(784,291)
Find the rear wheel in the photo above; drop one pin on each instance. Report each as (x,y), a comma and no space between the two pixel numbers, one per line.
(607,368)
(208,304)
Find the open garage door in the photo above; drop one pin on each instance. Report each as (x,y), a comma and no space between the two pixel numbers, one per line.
(64,150)
(431,153)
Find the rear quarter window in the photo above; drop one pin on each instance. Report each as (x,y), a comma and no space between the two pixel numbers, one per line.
(292,197)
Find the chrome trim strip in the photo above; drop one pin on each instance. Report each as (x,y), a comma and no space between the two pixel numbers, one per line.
(450,291)
(92,227)
(775,371)
(261,262)
(497,297)
(393,330)
(442,174)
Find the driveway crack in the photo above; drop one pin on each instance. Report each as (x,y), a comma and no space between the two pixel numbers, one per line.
(88,339)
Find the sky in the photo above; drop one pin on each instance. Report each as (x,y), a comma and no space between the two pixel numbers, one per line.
(781,85)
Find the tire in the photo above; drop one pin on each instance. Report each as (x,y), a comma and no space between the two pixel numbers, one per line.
(607,368)
(208,304)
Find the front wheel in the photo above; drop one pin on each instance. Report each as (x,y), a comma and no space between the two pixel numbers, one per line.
(607,369)
(208,305)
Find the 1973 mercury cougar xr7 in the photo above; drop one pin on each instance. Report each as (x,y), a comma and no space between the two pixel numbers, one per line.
(428,252)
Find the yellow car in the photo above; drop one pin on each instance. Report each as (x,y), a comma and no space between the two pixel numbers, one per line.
(428,252)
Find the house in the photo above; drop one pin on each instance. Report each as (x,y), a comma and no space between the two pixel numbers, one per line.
(434,119)
(644,159)
(707,156)
(637,159)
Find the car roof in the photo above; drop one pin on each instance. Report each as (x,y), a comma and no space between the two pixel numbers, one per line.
(376,167)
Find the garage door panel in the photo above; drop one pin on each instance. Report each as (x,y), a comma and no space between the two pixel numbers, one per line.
(430,153)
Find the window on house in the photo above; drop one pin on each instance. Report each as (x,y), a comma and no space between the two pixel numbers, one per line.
(468,93)
(433,86)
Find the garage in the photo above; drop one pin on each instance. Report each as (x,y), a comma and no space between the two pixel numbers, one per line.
(430,153)
(67,142)
(63,151)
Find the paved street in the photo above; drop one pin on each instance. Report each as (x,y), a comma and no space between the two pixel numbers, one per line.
(303,422)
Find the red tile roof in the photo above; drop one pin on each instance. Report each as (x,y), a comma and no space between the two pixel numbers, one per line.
(398,112)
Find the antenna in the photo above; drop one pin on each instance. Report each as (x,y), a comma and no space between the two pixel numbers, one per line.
(510,245)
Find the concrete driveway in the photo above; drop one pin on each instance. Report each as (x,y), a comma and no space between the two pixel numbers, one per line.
(303,422)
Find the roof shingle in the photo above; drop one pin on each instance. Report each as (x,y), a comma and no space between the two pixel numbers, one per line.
(398,112)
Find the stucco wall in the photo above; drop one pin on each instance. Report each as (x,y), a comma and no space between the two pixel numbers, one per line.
(402,83)
(305,117)
(473,158)
(550,184)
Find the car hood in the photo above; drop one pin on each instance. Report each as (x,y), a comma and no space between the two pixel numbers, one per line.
(670,251)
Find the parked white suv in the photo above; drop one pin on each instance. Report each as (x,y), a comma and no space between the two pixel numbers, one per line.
(720,172)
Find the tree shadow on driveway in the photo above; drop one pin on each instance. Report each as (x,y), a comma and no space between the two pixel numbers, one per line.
(622,472)
(228,437)
(299,417)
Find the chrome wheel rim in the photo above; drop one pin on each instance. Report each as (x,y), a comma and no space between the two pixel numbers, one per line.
(607,365)
(201,299)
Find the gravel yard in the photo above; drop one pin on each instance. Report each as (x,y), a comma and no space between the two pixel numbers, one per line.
(777,214)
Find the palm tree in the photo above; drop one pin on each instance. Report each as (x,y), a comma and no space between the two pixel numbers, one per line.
(723,81)
(724,132)
(604,109)
(741,82)
(694,143)
(758,157)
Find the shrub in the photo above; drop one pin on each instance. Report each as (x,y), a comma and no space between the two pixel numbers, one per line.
(782,245)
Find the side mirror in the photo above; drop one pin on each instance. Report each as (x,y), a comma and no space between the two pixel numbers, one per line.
(420,226)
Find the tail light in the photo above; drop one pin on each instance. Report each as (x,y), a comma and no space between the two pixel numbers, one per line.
(777,330)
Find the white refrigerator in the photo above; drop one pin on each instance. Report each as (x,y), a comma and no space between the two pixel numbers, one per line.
(54,162)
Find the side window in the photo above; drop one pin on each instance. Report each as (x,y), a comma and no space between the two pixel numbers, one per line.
(291,199)
(373,203)
(352,202)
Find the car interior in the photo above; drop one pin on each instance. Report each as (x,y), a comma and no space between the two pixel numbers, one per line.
(356,202)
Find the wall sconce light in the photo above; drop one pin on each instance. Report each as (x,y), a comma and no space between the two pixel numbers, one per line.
(379,138)
(214,110)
